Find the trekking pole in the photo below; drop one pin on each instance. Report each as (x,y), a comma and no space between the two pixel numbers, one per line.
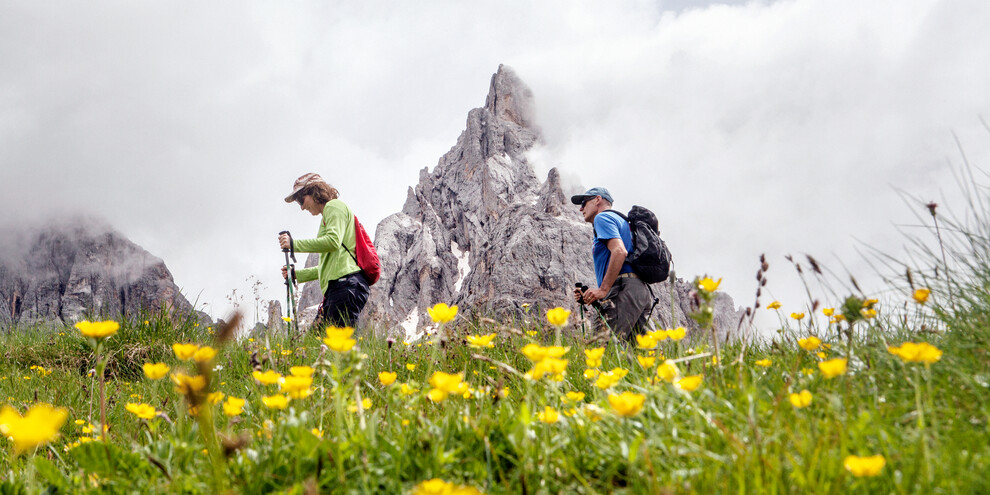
(582,287)
(290,268)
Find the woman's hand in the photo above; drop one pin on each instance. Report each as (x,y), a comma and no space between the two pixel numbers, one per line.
(283,241)
(285,273)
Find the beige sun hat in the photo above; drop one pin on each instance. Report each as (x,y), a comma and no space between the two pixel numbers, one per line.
(301,183)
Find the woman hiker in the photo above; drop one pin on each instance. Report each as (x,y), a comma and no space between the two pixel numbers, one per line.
(344,287)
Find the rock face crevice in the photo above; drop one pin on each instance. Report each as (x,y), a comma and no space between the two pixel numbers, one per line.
(79,268)
(484,232)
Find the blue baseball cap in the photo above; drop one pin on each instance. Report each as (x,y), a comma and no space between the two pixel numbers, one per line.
(591,193)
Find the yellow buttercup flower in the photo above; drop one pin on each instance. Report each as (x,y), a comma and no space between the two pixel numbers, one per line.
(437,486)
(270,377)
(591,373)
(646,362)
(298,387)
(774,305)
(444,384)
(658,335)
(574,397)
(534,352)
(828,311)
(677,333)
(215,397)
(708,285)
(868,313)
(626,404)
(802,399)
(608,379)
(594,356)
(550,365)
(833,367)
(155,371)
(645,342)
(921,295)
(481,341)
(184,352)
(797,316)
(365,405)
(441,313)
(275,401)
(40,425)
(143,411)
(301,371)
(864,466)
(188,385)
(549,415)
(411,367)
(204,354)
(764,363)
(668,371)
(407,390)
(810,343)
(558,316)
(922,352)
(233,406)
(387,377)
(339,339)
(98,329)
(689,383)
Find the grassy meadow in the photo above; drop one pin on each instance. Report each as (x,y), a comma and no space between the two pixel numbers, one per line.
(857,396)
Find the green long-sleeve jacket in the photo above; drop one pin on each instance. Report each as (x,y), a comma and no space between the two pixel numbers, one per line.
(337,228)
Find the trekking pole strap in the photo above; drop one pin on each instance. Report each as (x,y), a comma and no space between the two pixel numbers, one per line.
(292,246)
(655,299)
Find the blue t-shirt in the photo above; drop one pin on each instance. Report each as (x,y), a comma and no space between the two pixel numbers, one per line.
(608,225)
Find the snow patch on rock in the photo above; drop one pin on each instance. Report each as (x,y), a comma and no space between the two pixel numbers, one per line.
(410,324)
(463,264)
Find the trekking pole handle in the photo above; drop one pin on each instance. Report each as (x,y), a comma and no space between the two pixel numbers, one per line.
(583,288)
(292,247)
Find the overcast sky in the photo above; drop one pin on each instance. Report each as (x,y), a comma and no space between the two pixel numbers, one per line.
(749,127)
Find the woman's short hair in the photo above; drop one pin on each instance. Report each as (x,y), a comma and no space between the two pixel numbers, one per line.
(321,192)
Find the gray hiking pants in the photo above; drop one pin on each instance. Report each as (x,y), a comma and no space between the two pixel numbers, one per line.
(626,307)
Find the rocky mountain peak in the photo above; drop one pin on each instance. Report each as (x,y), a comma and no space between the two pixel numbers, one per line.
(482,231)
(76,267)
(509,99)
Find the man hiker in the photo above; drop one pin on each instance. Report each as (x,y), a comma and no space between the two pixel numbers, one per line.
(623,298)
(345,289)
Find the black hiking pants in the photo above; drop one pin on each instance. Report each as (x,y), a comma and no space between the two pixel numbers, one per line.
(343,301)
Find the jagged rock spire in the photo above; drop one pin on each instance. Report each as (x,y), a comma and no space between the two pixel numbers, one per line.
(483,232)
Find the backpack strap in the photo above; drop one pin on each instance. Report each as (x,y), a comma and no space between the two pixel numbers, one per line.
(353,256)
(632,232)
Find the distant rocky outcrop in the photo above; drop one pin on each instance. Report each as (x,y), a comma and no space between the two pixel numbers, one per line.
(73,269)
(483,232)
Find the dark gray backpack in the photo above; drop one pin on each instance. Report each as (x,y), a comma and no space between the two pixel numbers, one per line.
(650,258)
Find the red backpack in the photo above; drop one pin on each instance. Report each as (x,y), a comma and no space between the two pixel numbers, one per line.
(364,254)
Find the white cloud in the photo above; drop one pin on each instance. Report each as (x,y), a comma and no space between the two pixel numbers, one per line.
(761,127)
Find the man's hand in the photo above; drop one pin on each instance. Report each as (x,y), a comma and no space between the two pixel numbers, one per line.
(578,295)
(592,295)
(285,273)
(283,241)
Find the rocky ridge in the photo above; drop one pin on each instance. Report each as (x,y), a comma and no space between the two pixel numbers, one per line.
(483,232)
(80,268)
